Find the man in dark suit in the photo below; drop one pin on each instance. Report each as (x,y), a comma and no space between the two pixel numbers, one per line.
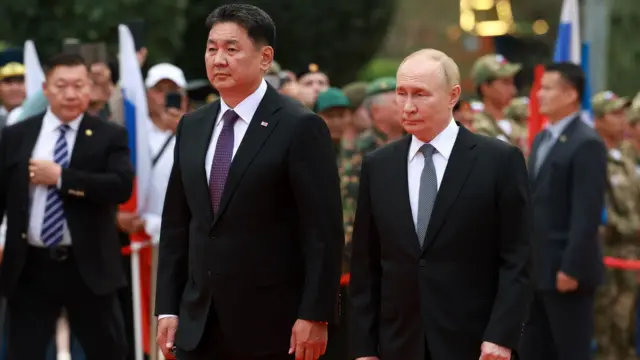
(250,250)
(568,168)
(440,247)
(62,175)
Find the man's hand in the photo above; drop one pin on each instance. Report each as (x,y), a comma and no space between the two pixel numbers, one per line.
(44,172)
(171,117)
(128,222)
(565,283)
(308,339)
(166,335)
(491,351)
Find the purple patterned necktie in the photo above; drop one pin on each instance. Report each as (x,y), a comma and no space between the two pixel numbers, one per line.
(222,159)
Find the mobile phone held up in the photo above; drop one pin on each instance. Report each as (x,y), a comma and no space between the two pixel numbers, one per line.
(173,100)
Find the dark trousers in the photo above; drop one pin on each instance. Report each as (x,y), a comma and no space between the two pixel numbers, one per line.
(48,284)
(559,327)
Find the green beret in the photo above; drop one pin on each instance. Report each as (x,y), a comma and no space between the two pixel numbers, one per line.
(381,85)
(331,98)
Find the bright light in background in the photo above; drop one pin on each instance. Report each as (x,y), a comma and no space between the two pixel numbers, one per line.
(540,27)
(492,28)
(467,20)
(503,8)
(482,5)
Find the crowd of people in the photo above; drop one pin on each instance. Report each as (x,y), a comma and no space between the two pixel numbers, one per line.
(387,219)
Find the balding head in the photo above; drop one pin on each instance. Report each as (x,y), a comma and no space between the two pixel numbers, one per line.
(428,87)
(430,58)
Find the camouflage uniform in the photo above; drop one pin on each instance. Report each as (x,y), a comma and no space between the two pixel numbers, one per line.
(616,299)
(350,164)
(486,68)
(516,114)
(627,147)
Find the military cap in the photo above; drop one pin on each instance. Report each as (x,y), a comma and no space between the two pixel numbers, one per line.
(11,55)
(356,92)
(331,98)
(274,69)
(308,69)
(493,66)
(606,101)
(518,109)
(12,69)
(381,85)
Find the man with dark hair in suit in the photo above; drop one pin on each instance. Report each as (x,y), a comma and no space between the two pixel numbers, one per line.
(62,175)
(567,171)
(250,249)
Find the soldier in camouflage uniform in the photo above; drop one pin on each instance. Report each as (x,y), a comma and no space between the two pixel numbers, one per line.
(620,233)
(631,145)
(385,116)
(333,106)
(516,113)
(493,77)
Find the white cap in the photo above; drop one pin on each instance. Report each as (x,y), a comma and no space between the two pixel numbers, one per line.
(165,71)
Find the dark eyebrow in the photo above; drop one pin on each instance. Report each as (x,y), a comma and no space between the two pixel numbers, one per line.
(227,42)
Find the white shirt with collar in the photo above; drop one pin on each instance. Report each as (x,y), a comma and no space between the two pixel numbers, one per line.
(443,143)
(43,150)
(160,172)
(245,110)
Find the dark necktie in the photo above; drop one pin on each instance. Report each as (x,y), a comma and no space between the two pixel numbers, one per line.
(53,222)
(428,192)
(222,159)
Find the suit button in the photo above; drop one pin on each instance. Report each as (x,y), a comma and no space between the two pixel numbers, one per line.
(213,237)
(422,262)
(24,235)
(209,273)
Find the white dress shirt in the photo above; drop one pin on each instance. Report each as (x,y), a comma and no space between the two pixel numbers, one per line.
(245,110)
(443,143)
(43,150)
(160,173)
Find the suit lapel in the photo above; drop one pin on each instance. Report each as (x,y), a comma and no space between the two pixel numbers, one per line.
(533,157)
(460,164)
(256,135)
(201,139)
(400,194)
(83,139)
(28,143)
(557,148)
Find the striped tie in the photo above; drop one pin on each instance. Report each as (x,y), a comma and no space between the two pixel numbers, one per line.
(53,225)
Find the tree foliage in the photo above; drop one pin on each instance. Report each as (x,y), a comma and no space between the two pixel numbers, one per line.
(47,23)
(340,36)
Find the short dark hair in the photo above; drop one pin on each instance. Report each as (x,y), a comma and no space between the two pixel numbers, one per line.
(256,21)
(571,73)
(64,59)
(489,81)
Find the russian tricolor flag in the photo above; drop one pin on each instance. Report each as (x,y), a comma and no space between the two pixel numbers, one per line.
(137,123)
(568,48)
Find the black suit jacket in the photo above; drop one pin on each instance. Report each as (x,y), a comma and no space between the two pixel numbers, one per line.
(98,178)
(271,254)
(469,282)
(568,199)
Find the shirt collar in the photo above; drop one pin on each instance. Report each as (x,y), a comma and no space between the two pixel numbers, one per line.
(52,123)
(247,108)
(557,128)
(443,142)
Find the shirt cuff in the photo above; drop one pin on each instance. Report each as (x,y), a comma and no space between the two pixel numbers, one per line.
(59,183)
(160,317)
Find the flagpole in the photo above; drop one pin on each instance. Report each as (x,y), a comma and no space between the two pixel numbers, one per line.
(136,298)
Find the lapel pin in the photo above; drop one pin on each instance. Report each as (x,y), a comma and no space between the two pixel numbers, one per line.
(88,132)
(264,123)
(563,138)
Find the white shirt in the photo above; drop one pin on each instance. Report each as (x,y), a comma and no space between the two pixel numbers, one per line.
(152,214)
(43,150)
(443,143)
(245,110)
